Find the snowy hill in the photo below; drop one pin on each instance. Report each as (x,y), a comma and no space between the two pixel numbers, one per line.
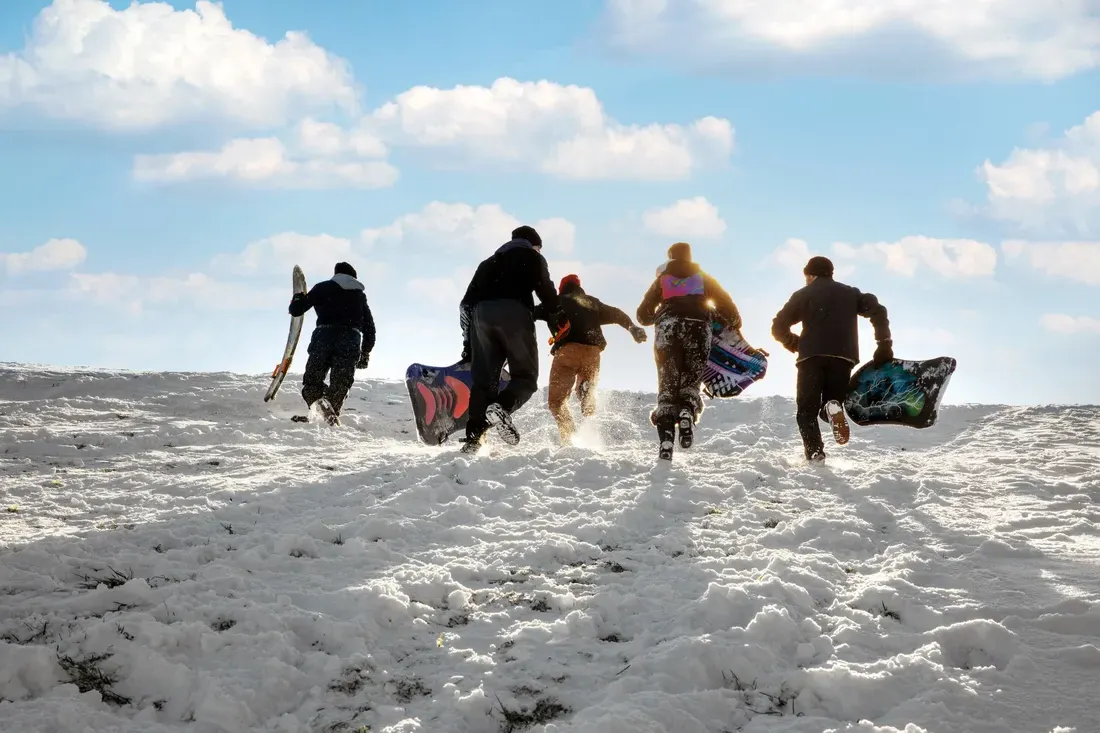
(179,556)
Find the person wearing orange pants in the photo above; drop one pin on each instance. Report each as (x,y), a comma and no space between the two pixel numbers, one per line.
(577,353)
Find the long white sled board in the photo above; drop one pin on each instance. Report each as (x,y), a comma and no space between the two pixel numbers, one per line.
(283,366)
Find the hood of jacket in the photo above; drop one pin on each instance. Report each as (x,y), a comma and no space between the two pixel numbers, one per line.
(514,244)
(679,268)
(347,282)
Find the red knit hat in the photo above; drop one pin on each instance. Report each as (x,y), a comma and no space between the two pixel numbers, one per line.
(566,281)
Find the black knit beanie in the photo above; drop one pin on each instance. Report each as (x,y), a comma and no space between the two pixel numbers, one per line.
(343,268)
(818,267)
(527,233)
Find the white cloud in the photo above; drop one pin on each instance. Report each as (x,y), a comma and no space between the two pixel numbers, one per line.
(1061,323)
(266,161)
(314,253)
(949,258)
(443,293)
(933,39)
(1079,261)
(558,130)
(472,231)
(694,218)
(149,65)
(56,254)
(135,293)
(1050,192)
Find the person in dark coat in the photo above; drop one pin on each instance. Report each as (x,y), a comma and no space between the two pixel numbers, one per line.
(498,325)
(827,349)
(342,339)
(682,303)
(577,353)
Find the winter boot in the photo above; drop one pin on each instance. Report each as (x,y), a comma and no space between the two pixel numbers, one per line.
(324,407)
(687,429)
(499,418)
(841,431)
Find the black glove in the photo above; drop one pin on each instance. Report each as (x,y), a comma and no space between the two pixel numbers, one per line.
(884,353)
(791,344)
(364,360)
(638,333)
(298,298)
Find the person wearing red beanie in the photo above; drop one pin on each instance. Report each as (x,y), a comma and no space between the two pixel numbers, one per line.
(577,352)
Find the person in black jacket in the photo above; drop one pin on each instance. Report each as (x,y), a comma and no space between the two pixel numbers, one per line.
(498,326)
(827,349)
(577,352)
(341,341)
(682,302)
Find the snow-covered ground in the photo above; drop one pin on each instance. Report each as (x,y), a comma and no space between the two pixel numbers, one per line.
(195,561)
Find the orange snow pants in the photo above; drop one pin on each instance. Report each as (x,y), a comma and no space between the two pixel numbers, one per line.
(574,366)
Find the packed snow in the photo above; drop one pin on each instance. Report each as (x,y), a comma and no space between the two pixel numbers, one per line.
(177,555)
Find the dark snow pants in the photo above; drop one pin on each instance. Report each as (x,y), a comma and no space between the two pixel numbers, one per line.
(680,348)
(333,352)
(501,331)
(820,379)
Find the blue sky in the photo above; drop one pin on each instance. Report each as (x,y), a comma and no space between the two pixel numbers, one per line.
(162,171)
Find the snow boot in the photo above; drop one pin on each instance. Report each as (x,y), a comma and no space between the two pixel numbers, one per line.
(841,431)
(687,429)
(499,418)
(324,407)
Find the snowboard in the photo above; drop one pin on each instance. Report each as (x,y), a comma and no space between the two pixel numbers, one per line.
(299,286)
(900,392)
(440,399)
(733,364)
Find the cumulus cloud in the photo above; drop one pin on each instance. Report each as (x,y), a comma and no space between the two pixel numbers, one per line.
(1053,191)
(1061,323)
(950,258)
(149,65)
(934,39)
(559,130)
(462,228)
(1079,261)
(314,253)
(135,293)
(56,254)
(266,161)
(694,218)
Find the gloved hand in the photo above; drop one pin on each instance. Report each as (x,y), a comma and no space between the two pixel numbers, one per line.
(791,344)
(559,322)
(884,353)
(364,360)
(298,298)
(466,355)
(639,334)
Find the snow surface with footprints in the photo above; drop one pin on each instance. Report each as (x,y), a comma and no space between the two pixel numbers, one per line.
(176,555)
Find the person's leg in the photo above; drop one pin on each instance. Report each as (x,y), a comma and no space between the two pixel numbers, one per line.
(808,393)
(837,373)
(666,350)
(695,348)
(486,361)
(516,332)
(563,373)
(317,366)
(345,355)
(588,374)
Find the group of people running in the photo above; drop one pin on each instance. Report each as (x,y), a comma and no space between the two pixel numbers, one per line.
(498,315)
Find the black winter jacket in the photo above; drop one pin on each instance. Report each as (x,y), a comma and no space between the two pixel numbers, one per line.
(683,290)
(341,301)
(513,272)
(828,311)
(587,315)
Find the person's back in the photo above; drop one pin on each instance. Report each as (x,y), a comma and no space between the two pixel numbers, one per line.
(587,315)
(514,272)
(682,290)
(339,301)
